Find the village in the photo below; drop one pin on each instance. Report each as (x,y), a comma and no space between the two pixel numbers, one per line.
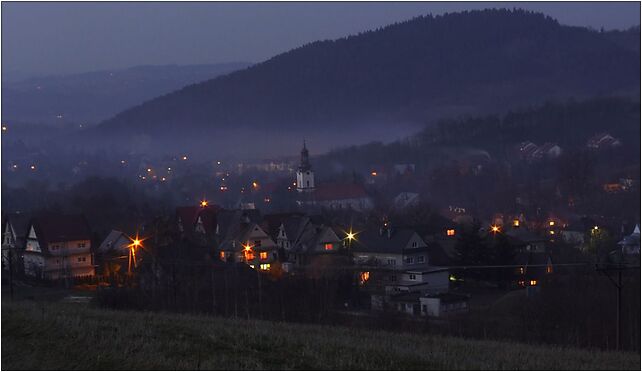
(410,260)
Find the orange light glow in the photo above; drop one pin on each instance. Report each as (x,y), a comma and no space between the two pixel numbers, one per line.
(364,277)
(551,223)
(374,174)
(533,282)
(516,223)
(450,232)
(494,228)
(263,255)
(255,184)
(204,203)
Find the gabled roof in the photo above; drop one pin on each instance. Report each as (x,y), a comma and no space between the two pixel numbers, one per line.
(61,228)
(114,241)
(339,192)
(371,241)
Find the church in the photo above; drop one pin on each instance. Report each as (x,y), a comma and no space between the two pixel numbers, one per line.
(328,195)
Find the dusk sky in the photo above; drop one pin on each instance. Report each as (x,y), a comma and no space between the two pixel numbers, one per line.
(62,38)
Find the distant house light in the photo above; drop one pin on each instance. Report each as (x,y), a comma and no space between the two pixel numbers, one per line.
(450,232)
(551,223)
(263,255)
(184,157)
(374,174)
(328,246)
(533,282)
(265,267)
(516,223)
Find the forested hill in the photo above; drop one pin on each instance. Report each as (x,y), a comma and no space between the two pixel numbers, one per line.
(568,124)
(430,66)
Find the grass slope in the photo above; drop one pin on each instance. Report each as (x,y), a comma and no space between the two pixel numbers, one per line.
(71,336)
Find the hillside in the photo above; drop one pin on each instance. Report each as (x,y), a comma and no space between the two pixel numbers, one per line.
(95,96)
(58,336)
(428,67)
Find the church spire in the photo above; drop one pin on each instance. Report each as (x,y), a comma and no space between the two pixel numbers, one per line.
(305,159)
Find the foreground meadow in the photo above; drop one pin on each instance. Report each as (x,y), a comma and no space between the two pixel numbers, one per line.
(59,336)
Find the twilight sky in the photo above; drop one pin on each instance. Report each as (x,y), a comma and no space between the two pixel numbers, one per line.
(71,37)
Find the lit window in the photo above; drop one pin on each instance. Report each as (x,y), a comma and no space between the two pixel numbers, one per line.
(249,255)
(533,282)
(516,223)
(450,232)
(549,269)
(265,266)
(521,270)
(364,277)
(328,246)
(263,255)
(222,255)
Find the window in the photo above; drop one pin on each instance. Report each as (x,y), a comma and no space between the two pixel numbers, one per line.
(55,247)
(414,244)
(392,262)
(410,260)
(533,282)
(450,232)
(82,259)
(392,278)
(81,245)
(412,276)
(249,255)
(222,256)
(328,246)
(263,255)
(420,259)
(257,243)
(265,266)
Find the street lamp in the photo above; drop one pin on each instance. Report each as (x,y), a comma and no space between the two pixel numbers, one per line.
(135,243)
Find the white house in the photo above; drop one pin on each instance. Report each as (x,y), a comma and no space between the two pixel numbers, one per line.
(58,247)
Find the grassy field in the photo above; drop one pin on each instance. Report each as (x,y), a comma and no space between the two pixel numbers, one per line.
(77,336)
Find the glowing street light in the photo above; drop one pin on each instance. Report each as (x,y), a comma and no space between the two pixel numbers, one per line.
(204,203)
(4,128)
(494,229)
(136,243)
(33,167)
(184,157)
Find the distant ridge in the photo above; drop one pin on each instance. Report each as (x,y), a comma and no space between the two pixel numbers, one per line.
(90,97)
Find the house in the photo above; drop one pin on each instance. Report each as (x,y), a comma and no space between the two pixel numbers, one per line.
(197,222)
(399,261)
(602,140)
(116,242)
(443,304)
(548,150)
(527,241)
(302,239)
(405,200)
(532,266)
(630,244)
(58,247)
(242,239)
(14,233)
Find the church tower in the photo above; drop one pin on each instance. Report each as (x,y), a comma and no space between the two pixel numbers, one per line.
(304,175)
